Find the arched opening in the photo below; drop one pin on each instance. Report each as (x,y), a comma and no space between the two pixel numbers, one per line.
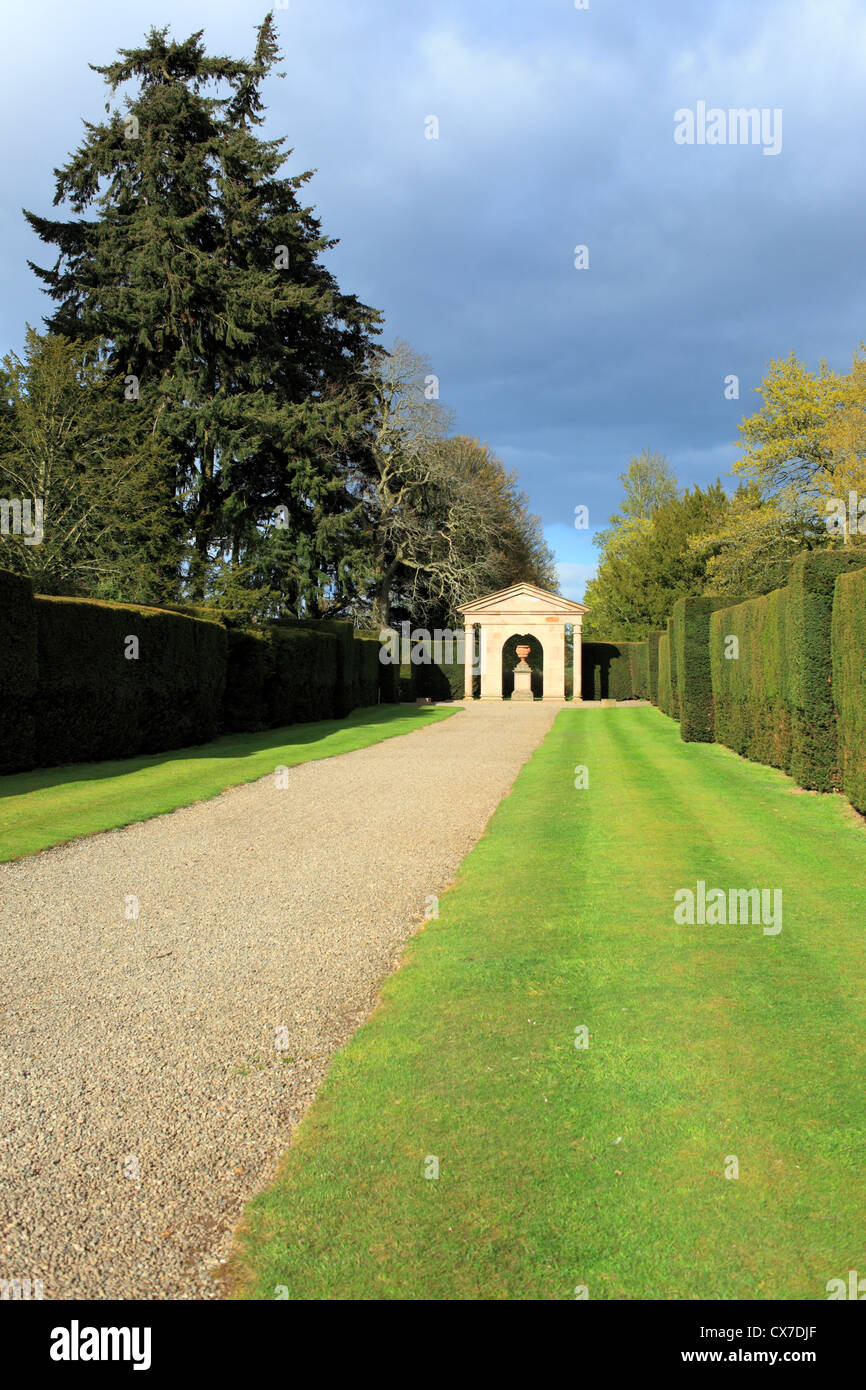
(535,660)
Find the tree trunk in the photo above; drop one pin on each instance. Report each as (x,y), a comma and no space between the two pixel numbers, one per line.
(203,524)
(382,595)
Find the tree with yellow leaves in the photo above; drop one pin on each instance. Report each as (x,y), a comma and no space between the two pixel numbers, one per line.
(785,445)
(841,480)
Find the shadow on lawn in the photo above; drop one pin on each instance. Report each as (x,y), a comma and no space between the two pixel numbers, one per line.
(227,746)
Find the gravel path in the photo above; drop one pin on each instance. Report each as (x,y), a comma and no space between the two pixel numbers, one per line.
(145,1090)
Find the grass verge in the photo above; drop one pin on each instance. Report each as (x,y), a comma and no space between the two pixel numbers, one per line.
(53,805)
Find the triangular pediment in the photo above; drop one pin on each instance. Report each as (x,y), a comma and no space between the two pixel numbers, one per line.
(525,599)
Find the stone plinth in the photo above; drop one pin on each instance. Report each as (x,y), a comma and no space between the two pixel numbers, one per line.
(522,680)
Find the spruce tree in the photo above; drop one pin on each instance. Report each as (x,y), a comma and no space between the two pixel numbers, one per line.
(201,270)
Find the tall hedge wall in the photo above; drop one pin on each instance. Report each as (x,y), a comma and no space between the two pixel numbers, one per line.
(639,669)
(82,680)
(94,701)
(281,675)
(690,654)
(667,689)
(366,686)
(849,683)
(612,670)
(652,659)
(774,700)
(441,680)
(748,664)
(389,681)
(344,677)
(18,656)
(387,673)
(201,610)
(430,678)
(814,751)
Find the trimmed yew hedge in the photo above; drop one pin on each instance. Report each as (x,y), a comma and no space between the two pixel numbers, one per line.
(690,657)
(297,670)
(748,662)
(93,701)
(815,751)
(201,610)
(17,672)
(652,660)
(340,698)
(387,683)
(612,670)
(849,683)
(365,687)
(667,688)
(441,681)
(281,675)
(774,701)
(388,675)
(82,680)
(638,668)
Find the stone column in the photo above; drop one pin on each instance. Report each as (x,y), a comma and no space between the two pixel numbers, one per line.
(469,655)
(578,658)
(491,663)
(554,663)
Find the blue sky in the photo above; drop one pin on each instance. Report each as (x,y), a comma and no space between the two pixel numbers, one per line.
(556,129)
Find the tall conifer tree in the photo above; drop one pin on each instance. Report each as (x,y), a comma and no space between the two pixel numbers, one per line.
(202,271)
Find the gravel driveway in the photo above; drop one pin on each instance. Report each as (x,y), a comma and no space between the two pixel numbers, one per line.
(152,1069)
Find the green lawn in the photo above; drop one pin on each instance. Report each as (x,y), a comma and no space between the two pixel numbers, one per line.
(52,805)
(602,1167)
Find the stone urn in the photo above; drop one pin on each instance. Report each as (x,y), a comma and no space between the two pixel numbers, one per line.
(523,653)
